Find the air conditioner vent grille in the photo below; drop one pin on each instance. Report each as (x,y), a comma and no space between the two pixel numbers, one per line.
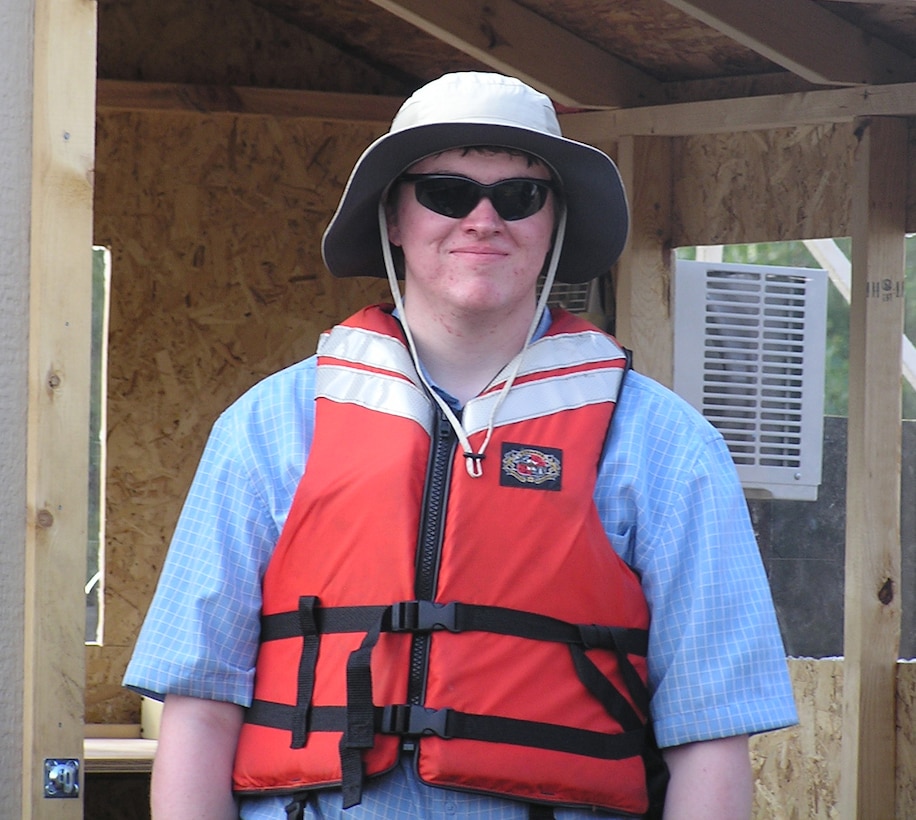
(575,298)
(753,364)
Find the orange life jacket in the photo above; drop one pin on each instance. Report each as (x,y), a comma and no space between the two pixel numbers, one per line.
(488,621)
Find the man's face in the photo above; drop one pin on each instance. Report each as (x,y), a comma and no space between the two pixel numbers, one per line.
(478,264)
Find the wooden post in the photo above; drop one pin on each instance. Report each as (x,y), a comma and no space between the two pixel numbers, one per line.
(872,598)
(59,328)
(644,318)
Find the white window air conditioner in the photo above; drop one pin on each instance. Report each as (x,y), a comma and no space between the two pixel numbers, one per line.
(749,351)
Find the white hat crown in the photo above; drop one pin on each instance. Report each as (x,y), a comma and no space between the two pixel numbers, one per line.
(476,97)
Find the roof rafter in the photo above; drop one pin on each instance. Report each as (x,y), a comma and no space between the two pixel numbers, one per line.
(805,38)
(509,38)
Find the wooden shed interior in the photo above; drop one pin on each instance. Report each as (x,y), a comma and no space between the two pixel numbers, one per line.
(224,134)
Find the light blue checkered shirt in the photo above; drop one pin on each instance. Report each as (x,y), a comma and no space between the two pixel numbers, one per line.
(671,504)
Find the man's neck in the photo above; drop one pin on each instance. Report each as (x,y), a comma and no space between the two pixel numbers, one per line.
(463,354)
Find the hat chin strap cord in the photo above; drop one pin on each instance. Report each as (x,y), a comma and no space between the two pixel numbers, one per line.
(473,461)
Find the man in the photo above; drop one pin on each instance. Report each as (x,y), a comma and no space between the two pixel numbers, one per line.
(447,613)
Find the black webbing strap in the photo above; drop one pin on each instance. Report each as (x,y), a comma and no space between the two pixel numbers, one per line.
(359,733)
(551,736)
(593,679)
(538,811)
(305,682)
(295,809)
(409,720)
(280,716)
(429,616)
(657,776)
(327,619)
(615,704)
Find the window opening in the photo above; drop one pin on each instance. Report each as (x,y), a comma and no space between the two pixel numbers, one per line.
(95,541)
(833,255)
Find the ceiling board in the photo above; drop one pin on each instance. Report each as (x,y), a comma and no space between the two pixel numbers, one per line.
(659,39)
(364,30)
(585,53)
(510,38)
(781,30)
(893,22)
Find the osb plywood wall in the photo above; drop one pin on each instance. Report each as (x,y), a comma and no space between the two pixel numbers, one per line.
(797,770)
(214,225)
(769,186)
(763,186)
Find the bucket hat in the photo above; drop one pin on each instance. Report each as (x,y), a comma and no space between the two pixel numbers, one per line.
(479,108)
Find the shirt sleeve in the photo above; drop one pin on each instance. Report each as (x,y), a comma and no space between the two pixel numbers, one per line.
(200,635)
(673,507)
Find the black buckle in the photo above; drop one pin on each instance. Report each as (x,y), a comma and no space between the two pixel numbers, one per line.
(423,616)
(414,721)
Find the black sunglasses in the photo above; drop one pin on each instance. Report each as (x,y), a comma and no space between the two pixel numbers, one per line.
(456,196)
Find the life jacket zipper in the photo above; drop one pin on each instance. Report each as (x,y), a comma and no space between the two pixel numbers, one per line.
(429,541)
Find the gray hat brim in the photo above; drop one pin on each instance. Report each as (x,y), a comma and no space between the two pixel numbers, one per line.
(597,214)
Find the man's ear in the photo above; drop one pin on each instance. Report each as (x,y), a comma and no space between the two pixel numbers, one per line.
(391,220)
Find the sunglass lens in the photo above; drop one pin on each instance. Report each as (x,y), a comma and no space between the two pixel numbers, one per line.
(518,198)
(452,197)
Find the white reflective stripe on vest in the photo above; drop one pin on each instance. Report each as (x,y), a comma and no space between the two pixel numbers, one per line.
(569,350)
(547,395)
(366,347)
(374,391)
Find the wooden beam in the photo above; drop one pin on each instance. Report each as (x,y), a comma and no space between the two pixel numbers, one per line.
(872,596)
(122,95)
(60,307)
(805,38)
(747,114)
(644,321)
(509,38)
(676,119)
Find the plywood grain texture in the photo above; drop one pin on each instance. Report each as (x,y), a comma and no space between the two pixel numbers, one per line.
(763,186)
(214,224)
(798,771)
(654,35)
(225,42)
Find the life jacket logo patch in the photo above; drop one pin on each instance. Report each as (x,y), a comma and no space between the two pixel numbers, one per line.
(532,468)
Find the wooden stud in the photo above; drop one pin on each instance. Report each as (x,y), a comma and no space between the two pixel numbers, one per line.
(60,308)
(644,319)
(872,597)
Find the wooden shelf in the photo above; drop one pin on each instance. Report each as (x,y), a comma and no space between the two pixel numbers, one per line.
(114,755)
